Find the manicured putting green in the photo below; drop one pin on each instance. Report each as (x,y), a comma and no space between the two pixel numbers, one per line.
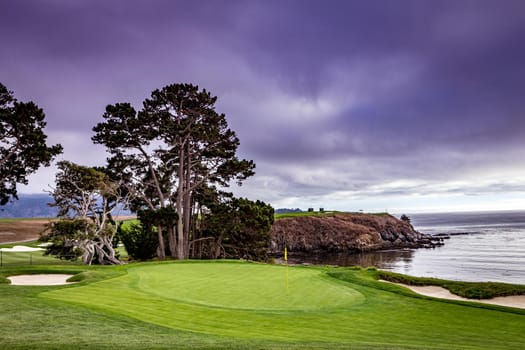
(244,286)
(258,302)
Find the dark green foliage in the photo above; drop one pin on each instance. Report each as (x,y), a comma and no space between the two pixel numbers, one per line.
(166,216)
(140,242)
(405,218)
(150,221)
(23,147)
(62,235)
(240,228)
(164,153)
(250,237)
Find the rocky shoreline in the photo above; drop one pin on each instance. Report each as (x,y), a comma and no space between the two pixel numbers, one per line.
(346,232)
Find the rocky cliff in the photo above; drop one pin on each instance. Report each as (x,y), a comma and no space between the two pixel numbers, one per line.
(345,232)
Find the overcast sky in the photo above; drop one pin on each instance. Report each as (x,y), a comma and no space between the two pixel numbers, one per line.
(399,105)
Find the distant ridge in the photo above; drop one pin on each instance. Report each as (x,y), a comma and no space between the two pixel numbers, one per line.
(287,210)
(29,206)
(36,206)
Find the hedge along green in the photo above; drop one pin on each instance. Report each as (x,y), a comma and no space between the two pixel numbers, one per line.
(251,301)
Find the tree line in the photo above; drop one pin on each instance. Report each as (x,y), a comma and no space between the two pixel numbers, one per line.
(171,163)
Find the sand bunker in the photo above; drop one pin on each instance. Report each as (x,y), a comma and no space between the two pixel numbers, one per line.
(21,248)
(40,280)
(517,301)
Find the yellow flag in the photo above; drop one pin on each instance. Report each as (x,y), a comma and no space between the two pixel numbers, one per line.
(285,254)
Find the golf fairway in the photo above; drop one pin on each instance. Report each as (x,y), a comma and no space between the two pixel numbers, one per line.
(296,304)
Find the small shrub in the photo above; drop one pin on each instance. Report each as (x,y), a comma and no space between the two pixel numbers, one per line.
(79,277)
(140,243)
(477,292)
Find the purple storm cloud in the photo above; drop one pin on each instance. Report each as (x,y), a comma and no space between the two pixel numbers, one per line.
(342,104)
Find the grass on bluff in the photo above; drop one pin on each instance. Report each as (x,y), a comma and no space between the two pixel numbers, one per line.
(320,213)
(304,213)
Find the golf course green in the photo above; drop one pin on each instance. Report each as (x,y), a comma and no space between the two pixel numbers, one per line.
(305,306)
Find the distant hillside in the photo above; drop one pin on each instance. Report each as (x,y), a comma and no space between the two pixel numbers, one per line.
(29,206)
(287,210)
(35,206)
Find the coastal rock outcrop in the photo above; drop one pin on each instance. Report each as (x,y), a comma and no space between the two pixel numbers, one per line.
(347,232)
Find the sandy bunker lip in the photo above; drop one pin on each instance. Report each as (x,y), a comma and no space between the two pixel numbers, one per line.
(517,301)
(40,280)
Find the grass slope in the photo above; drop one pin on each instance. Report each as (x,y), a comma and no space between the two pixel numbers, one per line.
(10,259)
(19,259)
(243,303)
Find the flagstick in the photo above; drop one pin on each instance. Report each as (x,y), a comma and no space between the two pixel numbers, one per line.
(286,261)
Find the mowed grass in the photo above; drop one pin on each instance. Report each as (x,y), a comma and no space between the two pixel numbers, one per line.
(249,305)
(10,259)
(31,322)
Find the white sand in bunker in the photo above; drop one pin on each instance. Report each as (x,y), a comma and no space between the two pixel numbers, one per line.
(517,301)
(40,280)
(21,249)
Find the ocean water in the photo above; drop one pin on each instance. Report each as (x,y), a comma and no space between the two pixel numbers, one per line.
(484,246)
